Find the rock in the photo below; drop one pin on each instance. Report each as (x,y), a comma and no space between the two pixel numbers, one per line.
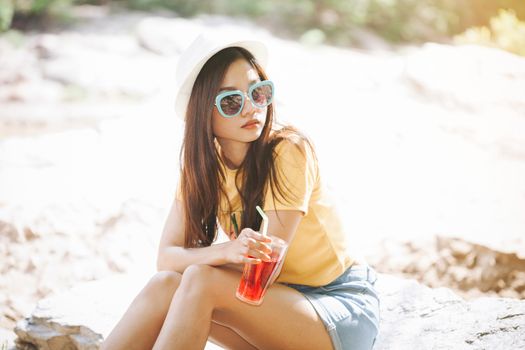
(470,269)
(166,36)
(413,316)
(368,40)
(9,231)
(455,76)
(7,339)
(81,317)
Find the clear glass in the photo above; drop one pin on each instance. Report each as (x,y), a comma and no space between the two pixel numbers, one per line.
(256,277)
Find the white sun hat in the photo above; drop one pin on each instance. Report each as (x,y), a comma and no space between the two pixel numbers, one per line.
(201,50)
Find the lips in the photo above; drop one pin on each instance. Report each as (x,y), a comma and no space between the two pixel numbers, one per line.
(250,123)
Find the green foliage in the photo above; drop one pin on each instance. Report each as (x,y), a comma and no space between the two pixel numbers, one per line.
(39,7)
(10,9)
(184,8)
(504,31)
(335,21)
(316,21)
(7,10)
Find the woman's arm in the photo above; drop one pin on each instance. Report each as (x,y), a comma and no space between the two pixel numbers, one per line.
(173,256)
(283,224)
(178,258)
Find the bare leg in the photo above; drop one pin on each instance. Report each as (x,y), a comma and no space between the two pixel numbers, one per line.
(286,320)
(141,324)
(189,321)
(227,338)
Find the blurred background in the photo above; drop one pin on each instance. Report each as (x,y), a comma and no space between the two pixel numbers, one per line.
(334,22)
(416,108)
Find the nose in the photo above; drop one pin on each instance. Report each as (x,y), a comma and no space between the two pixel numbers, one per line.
(248,108)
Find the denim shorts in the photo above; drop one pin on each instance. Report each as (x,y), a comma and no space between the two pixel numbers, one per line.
(348,306)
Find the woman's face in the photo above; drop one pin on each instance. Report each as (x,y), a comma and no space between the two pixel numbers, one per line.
(247,126)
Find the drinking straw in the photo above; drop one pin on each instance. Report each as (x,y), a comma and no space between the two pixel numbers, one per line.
(264,219)
(235,226)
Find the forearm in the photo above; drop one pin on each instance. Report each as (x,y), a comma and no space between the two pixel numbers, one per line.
(179,258)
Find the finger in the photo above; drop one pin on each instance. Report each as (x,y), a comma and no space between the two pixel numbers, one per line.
(259,255)
(249,242)
(260,237)
(248,232)
(248,260)
(243,240)
(265,248)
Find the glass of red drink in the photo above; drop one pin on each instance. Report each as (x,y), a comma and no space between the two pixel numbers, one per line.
(256,277)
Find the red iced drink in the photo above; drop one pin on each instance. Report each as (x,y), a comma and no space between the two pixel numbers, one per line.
(255,277)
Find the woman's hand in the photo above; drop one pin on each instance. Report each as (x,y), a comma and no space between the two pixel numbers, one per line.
(250,247)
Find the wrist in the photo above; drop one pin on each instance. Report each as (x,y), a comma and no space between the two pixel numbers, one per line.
(221,253)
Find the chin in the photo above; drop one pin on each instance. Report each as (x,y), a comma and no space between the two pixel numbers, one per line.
(245,136)
(250,139)
(256,135)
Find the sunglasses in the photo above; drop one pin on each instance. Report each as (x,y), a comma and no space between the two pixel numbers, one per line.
(231,103)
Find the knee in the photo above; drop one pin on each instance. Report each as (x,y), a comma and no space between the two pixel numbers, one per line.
(164,282)
(197,278)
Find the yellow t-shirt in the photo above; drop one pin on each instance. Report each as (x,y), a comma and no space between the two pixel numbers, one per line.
(317,254)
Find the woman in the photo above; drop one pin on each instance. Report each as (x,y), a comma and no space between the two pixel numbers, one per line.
(234,158)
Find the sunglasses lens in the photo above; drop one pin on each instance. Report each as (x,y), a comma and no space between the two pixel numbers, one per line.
(262,95)
(231,105)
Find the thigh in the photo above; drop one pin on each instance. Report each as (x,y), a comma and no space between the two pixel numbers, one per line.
(228,338)
(285,320)
(140,325)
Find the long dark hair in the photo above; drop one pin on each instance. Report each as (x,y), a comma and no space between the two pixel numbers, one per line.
(201,173)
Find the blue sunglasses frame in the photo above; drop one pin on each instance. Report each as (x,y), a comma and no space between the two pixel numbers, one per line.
(239,92)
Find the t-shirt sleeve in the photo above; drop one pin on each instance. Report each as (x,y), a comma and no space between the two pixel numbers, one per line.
(297,174)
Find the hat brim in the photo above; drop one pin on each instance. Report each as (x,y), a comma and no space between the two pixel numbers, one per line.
(198,52)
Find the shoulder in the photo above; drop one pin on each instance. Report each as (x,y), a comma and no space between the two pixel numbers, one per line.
(290,140)
(293,148)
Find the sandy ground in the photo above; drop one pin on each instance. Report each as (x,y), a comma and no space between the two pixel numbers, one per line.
(423,148)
